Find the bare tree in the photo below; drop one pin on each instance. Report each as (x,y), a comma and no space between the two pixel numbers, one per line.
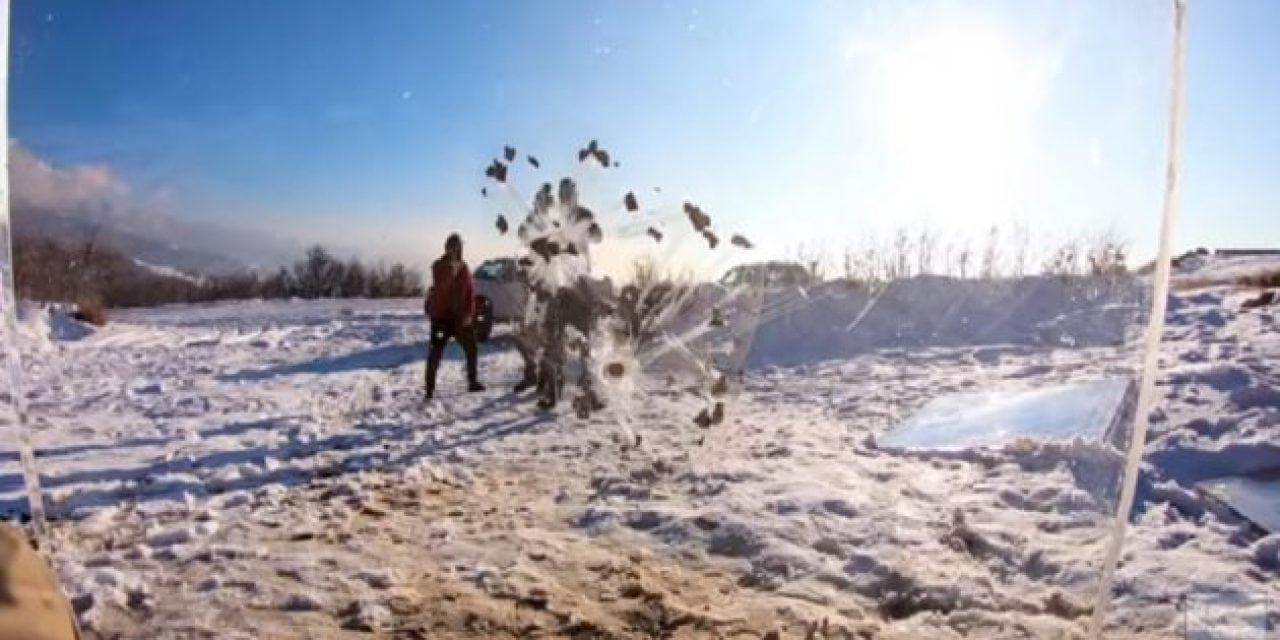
(1021,245)
(926,245)
(965,256)
(991,254)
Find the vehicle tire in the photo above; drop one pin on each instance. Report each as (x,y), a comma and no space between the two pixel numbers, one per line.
(484,318)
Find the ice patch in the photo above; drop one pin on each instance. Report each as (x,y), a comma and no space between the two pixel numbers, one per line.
(64,328)
(1093,411)
(1255,497)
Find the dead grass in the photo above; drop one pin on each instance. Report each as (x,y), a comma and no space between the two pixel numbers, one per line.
(92,312)
(1264,280)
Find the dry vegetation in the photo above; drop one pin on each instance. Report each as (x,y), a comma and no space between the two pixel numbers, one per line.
(650,297)
(1000,254)
(1262,280)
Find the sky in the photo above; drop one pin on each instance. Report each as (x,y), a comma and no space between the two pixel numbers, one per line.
(811,126)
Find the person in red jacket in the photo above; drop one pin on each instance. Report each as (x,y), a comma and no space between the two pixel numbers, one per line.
(451,306)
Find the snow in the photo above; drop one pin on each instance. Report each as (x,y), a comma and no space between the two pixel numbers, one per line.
(168,272)
(1221,270)
(269,469)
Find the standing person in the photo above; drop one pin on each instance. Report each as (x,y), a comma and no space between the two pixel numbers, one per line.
(451,306)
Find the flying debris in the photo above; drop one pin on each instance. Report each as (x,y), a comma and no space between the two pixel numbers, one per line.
(717,317)
(543,200)
(703,419)
(594,150)
(497,171)
(706,419)
(556,233)
(568,193)
(484,192)
(740,241)
(545,248)
(697,217)
(721,386)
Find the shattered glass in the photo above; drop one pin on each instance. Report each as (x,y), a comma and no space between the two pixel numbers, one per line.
(815,320)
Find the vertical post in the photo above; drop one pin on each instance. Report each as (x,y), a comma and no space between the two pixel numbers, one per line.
(1155,326)
(12,371)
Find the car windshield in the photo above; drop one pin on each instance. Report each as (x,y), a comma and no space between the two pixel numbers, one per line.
(832,318)
(492,270)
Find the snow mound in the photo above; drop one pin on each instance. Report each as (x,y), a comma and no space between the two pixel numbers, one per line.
(833,320)
(1208,269)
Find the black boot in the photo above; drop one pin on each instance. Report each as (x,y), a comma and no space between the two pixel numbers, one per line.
(527,382)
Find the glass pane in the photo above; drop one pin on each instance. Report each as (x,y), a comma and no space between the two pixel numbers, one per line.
(813,319)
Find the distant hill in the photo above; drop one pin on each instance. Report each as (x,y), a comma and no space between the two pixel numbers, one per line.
(73,203)
(188,247)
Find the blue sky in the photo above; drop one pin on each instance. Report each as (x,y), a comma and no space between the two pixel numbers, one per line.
(367,125)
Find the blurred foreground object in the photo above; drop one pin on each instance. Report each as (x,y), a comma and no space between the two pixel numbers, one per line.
(32,606)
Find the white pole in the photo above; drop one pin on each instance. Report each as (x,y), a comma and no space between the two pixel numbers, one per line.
(1155,326)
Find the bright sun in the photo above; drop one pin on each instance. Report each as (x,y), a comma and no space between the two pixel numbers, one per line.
(959,105)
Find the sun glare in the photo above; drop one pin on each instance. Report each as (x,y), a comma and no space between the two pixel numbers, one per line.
(959,105)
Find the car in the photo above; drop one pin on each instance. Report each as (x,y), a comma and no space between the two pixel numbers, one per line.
(767,275)
(502,296)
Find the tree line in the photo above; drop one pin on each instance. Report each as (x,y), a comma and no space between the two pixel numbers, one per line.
(91,273)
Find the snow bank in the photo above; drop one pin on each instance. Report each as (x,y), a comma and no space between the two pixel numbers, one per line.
(1209,269)
(787,327)
(834,321)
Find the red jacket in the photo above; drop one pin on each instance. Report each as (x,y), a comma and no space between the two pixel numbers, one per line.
(452,295)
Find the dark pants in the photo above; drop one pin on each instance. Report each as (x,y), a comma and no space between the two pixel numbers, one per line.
(441,330)
(527,340)
(570,307)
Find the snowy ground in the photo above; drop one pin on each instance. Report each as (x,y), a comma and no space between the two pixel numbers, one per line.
(270,470)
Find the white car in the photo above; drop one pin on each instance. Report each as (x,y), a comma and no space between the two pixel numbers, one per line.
(768,275)
(502,296)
